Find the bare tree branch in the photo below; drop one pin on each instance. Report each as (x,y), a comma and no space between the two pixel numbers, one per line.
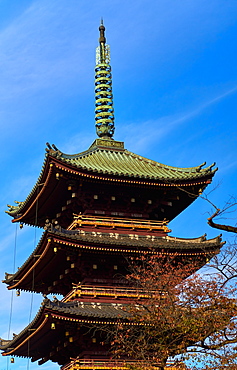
(232,229)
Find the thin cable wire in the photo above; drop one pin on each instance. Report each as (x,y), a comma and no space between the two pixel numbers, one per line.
(33,281)
(11,302)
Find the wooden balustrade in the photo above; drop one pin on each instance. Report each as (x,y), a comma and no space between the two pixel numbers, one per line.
(116,223)
(112,292)
(93,364)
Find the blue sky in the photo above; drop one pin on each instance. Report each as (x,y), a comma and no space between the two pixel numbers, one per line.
(175,99)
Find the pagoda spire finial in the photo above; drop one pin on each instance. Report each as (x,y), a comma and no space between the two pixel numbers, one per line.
(104,112)
(102,38)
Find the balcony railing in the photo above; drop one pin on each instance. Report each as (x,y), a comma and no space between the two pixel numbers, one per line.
(105,291)
(117,223)
(90,364)
(95,365)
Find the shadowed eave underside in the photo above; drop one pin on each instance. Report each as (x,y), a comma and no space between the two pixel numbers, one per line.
(109,158)
(107,243)
(82,313)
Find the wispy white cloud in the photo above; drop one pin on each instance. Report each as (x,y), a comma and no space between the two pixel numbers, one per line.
(78,143)
(42,49)
(37,50)
(152,131)
(228,165)
(214,100)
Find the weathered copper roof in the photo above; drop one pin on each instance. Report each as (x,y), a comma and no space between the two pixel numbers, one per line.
(105,158)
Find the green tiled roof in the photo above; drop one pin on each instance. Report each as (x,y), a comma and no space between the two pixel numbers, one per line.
(105,157)
(108,157)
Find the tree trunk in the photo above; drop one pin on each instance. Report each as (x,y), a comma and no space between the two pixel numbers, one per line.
(162,364)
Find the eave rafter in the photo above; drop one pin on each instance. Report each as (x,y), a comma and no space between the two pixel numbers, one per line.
(47,336)
(64,250)
(136,181)
(58,168)
(25,338)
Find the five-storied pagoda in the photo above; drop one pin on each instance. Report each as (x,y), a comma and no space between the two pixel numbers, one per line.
(97,208)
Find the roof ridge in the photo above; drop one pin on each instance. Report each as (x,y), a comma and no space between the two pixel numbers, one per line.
(94,148)
(198,168)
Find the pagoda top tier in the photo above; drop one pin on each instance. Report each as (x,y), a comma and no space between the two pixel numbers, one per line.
(107,179)
(121,176)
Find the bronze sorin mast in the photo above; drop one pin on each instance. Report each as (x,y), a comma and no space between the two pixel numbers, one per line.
(104,111)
